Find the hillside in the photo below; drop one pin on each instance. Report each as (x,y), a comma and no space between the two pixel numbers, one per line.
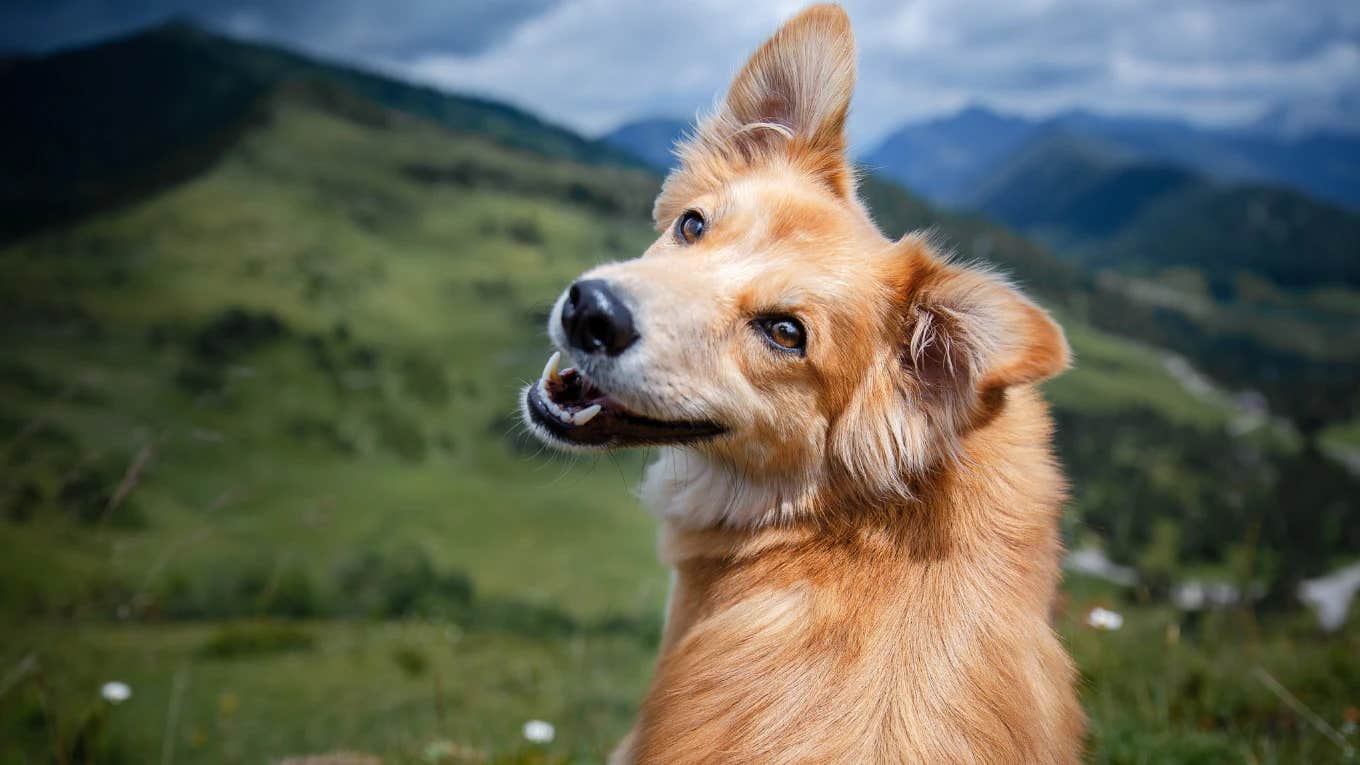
(1133,216)
(319,361)
(262,463)
(101,125)
(1225,232)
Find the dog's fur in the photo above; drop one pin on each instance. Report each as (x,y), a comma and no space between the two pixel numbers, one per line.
(864,562)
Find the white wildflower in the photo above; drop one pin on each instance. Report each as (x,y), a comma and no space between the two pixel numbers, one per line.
(1104,619)
(115,692)
(539,732)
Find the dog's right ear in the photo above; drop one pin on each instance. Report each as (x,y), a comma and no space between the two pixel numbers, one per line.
(789,101)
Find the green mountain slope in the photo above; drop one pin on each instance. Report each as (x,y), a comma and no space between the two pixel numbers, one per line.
(1139,216)
(100,125)
(1282,236)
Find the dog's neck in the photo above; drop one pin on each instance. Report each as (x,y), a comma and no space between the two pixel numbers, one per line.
(690,490)
(995,511)
(693,492)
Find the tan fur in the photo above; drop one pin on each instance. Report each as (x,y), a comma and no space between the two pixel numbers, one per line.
(865,561)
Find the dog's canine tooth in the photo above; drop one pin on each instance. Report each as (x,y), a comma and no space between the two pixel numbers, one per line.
(550,369)
(586,415)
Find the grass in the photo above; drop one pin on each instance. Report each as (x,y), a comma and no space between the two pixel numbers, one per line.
(314,361)
(1113,373)
(1154,694)
(350,688)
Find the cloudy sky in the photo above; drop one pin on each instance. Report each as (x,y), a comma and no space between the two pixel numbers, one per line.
(592,64)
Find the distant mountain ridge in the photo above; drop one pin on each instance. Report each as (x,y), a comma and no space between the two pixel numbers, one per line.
(1147,216)
(92,126)
(949,158)
(652,139)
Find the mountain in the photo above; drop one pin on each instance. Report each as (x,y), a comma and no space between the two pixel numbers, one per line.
(1153,215)
(945,158)
(653,140)
(1287,238)
(949,159)
(100,125)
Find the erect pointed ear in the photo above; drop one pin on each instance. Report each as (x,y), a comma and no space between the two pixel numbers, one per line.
(971,335)
(792,96)
(801,79)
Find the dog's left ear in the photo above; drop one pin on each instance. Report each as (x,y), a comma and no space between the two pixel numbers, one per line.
(792,98)
(971,335)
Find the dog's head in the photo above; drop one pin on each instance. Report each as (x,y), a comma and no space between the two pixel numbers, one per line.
(771,332)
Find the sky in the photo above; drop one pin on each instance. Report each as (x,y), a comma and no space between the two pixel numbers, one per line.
(593,64)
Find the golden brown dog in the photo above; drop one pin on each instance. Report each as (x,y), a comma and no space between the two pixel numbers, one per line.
(855,483)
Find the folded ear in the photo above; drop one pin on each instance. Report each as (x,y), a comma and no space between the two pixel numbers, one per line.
(790,99)
(971,335)
(963,336)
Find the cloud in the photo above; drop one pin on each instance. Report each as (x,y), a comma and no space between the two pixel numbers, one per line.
(352,29)
(595,63)
(592,64)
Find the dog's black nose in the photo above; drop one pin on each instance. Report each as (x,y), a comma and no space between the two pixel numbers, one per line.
(596,320)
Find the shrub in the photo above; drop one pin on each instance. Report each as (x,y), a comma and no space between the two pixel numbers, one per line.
(235,332)
(410,660)
(291,595)
(256,638)
(22,503)
(87,491)
(399,583)
(256,587)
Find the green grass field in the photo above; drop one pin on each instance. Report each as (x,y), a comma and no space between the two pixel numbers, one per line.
(263,465)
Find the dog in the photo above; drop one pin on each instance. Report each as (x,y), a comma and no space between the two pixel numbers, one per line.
(855,484)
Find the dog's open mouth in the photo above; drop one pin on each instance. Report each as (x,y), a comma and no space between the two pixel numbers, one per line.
(573,410)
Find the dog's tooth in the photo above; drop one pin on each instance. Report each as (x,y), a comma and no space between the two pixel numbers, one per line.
(550,369)
(586,415)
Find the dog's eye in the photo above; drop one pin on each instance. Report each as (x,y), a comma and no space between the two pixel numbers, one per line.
(784,333)
(689,227)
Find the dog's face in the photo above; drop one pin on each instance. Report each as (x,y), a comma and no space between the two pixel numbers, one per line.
(771,331)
